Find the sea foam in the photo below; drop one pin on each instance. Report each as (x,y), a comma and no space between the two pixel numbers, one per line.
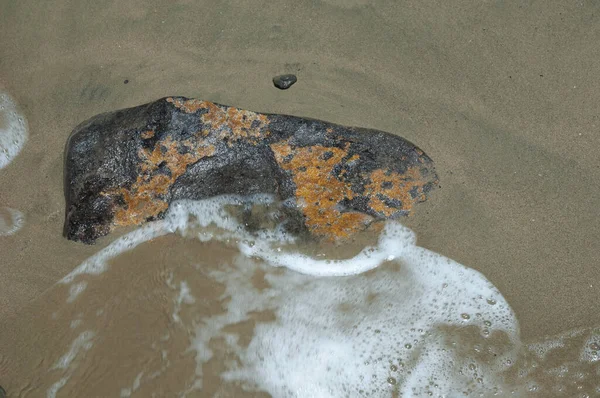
(13,130)
(395,320)
(11,220)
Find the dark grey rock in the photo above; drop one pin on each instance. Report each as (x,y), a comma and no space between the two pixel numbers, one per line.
(125,168)
(284,82)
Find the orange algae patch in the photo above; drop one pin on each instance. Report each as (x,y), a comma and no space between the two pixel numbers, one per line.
(143,199)
(319,191)
(232,123)
(189,106)
(147,134)
(397,187)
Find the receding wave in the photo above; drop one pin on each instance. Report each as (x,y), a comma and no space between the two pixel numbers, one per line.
(393,320)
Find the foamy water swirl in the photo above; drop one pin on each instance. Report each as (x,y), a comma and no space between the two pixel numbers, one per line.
(416,324)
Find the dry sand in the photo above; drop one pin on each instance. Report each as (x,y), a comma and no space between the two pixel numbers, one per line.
(502,95)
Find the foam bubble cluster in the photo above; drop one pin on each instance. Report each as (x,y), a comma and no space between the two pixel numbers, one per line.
(375,334)
(417,324)
(394,241)
(11,220)
(13,130)
(13,135)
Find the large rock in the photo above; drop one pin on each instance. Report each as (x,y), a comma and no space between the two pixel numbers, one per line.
(126,167)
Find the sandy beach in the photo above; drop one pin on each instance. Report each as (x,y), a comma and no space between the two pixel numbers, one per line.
(503,96)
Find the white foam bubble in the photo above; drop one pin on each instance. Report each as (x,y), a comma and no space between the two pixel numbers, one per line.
(13,130)
(11,220)
(591,348)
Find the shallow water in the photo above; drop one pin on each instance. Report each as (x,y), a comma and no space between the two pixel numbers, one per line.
(218,322)
(502,96)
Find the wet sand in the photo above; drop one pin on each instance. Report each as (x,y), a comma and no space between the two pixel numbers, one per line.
(502,96)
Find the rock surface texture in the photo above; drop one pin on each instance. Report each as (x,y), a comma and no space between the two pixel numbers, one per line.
(125,168)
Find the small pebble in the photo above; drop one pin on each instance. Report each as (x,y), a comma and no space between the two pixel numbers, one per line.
(126,81)
(284,82)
